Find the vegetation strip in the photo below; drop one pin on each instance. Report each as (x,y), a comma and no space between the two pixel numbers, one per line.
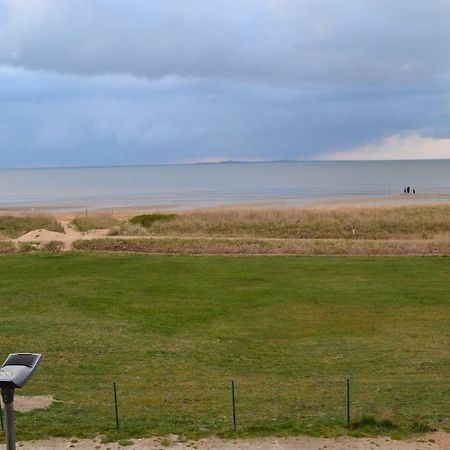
(372,223)
(411,222)
(265,247)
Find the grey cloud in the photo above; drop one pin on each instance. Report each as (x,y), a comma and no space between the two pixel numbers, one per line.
(72,120)
(137,81)
(283,41)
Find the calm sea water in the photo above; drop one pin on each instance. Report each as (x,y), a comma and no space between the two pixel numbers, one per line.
(187,186)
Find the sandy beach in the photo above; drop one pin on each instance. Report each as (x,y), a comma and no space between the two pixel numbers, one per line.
(67,212)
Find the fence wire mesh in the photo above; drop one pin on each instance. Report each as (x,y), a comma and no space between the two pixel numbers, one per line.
(206,406)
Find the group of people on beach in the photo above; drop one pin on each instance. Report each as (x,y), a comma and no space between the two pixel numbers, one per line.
(409,190)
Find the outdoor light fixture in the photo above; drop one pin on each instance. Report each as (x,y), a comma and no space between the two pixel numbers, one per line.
(14,373)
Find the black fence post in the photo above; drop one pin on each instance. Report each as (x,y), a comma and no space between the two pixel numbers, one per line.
(233,400)
(116,407)
(348,403)
(1,416)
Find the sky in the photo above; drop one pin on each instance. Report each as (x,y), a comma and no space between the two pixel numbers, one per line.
(112,82)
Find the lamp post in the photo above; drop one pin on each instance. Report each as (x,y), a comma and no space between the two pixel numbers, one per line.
(14,373)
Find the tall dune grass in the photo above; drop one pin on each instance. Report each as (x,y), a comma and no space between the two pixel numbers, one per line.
(14,226)
(95,222)
(148,220)
(403,222)
(7,247)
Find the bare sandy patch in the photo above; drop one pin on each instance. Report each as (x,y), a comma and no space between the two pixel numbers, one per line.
(67,238)
(435,441)
(388,200)
(29,403)
(41,236)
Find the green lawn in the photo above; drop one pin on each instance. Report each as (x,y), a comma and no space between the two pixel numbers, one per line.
(173,331)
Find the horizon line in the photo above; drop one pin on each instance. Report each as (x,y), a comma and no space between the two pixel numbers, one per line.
(231,161)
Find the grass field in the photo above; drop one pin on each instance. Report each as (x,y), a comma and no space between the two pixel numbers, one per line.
(173,331)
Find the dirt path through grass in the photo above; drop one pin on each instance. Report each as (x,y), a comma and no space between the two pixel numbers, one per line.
(435,441)
(98,240)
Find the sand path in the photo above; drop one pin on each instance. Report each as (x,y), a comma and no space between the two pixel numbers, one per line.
(435,441)
(69,236)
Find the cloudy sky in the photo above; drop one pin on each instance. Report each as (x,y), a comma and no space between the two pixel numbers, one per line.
(106,82)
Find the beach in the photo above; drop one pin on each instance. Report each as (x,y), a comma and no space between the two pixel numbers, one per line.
(187,187)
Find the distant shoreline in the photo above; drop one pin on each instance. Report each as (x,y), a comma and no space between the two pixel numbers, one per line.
(225,162)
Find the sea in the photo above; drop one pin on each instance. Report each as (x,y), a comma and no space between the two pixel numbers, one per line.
(187,186)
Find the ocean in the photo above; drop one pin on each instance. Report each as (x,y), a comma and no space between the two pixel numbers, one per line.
(206,185)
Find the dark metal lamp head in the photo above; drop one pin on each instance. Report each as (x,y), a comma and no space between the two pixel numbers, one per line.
(18,368)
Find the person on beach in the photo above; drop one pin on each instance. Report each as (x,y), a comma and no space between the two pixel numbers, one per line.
(408,190)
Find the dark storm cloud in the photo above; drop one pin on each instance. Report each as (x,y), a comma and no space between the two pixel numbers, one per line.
(120,82)
(277,40)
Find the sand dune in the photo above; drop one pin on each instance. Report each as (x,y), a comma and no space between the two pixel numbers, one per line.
(67,238)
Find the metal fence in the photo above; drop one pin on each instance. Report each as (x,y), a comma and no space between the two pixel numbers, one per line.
(223,406)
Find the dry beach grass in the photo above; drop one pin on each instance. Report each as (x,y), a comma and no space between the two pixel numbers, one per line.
(13,226)
(411,222)
(96,221)
(404,230)
(230,246)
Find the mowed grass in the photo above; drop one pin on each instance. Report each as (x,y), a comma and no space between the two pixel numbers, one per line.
(173,331)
